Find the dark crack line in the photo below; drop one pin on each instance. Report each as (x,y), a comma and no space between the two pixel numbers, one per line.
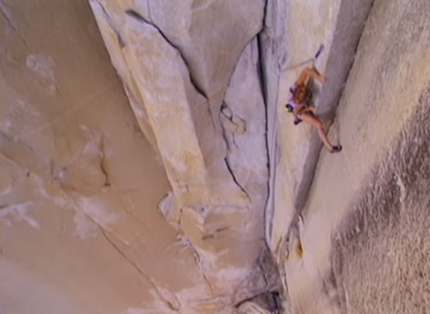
(235,179)
(112,25)
(226,111)
(264,89)
(266,5)
(260,266)
(198,261)
(246,45)
(224,135)
(127,258)
(229,116)
(137,268)
(213,111)
(205,276)
(130,212)
(103,167)
(9,22)
(193,81)
(134,102)
(272,147)
(6,15)
(260,70)
(213,234)
(267,265)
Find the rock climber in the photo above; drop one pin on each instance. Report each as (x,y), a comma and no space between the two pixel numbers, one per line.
(302,109)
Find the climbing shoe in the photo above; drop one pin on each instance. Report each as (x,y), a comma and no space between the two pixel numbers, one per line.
(336,149)
(297,121)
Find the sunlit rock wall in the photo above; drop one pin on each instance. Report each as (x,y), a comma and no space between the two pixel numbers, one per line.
(192,74)
(88,161)
(294,31)
(365,223)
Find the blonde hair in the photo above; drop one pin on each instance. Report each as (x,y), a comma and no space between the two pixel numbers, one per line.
(301,94)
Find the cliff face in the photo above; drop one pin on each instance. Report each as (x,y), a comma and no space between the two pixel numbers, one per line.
(141,192)
(80,184)
(148,164)
(366,204)
(196,90)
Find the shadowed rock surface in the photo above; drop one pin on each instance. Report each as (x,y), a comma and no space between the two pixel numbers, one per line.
(381,253)
(148,164)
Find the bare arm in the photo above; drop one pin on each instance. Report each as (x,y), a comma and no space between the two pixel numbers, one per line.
(308,73)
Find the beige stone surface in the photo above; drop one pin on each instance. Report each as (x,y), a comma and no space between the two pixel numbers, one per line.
(81,182)
(210,35)
(295,31)
(141,35)
(329,24)
(148,164)
(359,202)
(80,185)
(216,159)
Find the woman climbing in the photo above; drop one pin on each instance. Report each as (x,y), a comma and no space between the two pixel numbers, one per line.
(301,108)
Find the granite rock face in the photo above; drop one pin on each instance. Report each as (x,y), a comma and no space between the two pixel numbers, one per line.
(147,163)
(153,185)
(343,222)
(197,82)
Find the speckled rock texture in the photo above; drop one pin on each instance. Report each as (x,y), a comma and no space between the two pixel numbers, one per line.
(148,164)
(360,242)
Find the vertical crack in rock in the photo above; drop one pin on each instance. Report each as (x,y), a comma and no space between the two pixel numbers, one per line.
(226,161)
(354,53)
(197,259)
(264,90)
(199,263)
(235,179)
(235,122)
(172,306)
(103,161)
(134,102)
(5,12)
(268,270)
(230,170)
(261,72)
(266,298)
(271,48)
(219,107)
(264,85)
(112,25)
(315,146)
(193,81)
(261,63)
